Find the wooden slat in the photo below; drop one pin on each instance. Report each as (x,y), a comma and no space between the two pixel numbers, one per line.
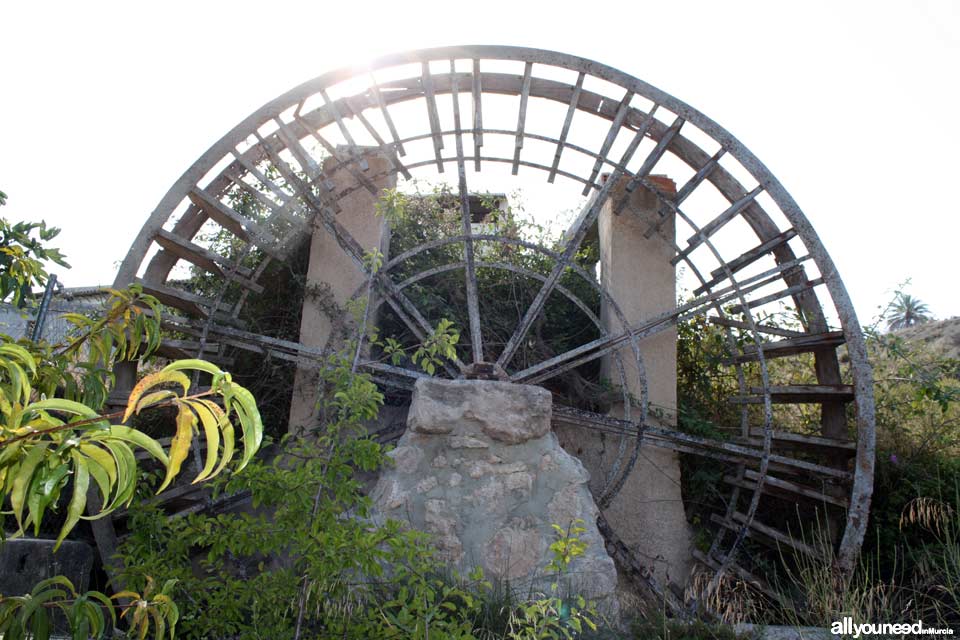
(702,174)
(642,131)
(697,445)
(386,116)
(470,273)
(238,225)
(805,440)
(200,256)
(662,145)
(432,114)
(522,116)
(234,175)
(789,347)
(291,179)
(389,152)
(183,300)
(754,581)
(346,163)
(290,140)
(584,353)
(204,259)
(769,535)
(717,223)
(299,227)
(773,297)
(335,110)
(785,486)
(799,393)
(579,231)
(761,328)
(622,109)
(561,141)
(782,465)
(477,89)
(182,349)
(252,169)
(745,259)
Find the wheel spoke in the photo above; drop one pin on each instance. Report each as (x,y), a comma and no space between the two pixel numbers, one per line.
(473,306)
(402,305)
(602,346)
(581,227)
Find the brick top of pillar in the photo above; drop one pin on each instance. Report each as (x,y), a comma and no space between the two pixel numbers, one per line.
(663,183)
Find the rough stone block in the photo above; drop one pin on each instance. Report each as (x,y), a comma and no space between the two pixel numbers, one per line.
(480,469)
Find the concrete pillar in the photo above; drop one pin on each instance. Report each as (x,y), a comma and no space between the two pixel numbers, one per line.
(647,513)
(332,276)
(637,273)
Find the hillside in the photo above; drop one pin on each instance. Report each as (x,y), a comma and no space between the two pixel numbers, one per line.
(941,334)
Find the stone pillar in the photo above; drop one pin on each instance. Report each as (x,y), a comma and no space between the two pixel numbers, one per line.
(332,276)
(647,513)
(480,469)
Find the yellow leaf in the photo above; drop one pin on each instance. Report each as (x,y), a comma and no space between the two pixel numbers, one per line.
(153,380)
(180,444)
(211,429)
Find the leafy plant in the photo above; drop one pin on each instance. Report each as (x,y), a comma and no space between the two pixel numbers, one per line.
(29,615)
(49,442)
(46,443)
(438,347)
(22,256)
(553,616)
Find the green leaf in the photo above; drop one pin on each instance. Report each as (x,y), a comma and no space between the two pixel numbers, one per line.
(126,473)
(228,439)
(99,475)
(103,460)
(138,438)
(23,479)
(193,363)
(81,482)
(250,423)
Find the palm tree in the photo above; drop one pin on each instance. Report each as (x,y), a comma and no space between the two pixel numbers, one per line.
(906,311)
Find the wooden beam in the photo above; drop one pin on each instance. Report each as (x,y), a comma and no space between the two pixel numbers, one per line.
(790,347)
(750,482)
(745,259)
(798,394)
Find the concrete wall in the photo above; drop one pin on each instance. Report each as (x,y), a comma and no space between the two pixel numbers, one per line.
(334,276)
(648,512)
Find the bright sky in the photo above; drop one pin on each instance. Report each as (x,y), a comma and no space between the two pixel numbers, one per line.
(854,106)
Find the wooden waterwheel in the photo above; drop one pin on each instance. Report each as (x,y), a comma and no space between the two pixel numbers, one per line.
(739,235)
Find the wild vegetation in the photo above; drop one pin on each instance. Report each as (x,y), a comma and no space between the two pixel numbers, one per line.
(308,560)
